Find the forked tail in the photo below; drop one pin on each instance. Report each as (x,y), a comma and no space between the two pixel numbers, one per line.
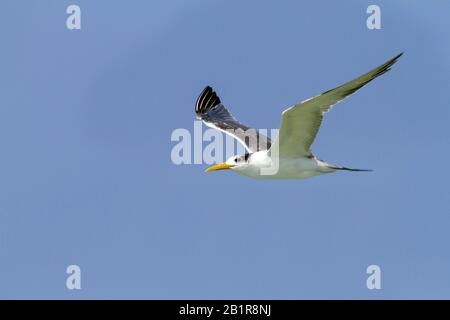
(349,169)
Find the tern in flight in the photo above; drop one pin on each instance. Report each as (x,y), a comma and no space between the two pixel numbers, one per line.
(289,156)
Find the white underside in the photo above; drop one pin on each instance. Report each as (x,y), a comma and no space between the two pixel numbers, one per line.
(261,166)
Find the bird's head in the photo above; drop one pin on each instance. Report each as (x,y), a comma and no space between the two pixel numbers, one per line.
(235,162)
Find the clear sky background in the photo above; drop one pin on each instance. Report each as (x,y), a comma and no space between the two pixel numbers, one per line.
(86,176)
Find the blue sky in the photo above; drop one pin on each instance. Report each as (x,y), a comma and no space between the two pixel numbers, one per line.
(86,176)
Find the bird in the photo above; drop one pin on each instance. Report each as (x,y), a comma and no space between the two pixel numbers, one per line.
(290,155)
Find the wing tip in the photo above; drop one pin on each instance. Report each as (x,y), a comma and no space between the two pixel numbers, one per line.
(387,66)
(379,71)
(207,99)
(395,59)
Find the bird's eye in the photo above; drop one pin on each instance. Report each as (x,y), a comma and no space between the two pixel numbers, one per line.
(235,160)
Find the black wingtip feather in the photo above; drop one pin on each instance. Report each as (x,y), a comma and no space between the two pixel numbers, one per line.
(206,100)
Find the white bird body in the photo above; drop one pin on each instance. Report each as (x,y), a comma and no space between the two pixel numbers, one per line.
(261,166)
(290,155)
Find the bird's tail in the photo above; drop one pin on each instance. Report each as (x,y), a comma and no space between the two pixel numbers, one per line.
(349,169)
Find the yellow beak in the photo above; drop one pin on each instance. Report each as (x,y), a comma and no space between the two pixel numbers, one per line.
(220,166)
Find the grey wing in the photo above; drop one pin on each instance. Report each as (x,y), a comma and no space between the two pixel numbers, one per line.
(213,113)
(300,123)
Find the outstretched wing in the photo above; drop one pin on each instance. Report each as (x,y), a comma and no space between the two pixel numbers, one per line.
(211,111)
(300,123)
